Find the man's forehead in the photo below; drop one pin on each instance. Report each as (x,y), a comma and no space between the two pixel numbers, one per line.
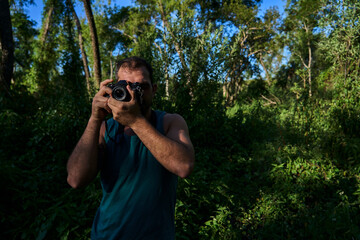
(127,69)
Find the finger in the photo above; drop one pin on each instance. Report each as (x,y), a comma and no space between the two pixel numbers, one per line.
(132,93)
(107,108)
(104,90)
(100,101)
(111,103)
(105,82)
(119,105)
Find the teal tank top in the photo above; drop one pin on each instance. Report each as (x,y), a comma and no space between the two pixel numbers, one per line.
(139,194)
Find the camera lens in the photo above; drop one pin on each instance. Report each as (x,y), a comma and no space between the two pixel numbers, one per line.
(119,93)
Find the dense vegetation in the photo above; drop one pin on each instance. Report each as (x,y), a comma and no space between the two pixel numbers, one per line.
(272,103)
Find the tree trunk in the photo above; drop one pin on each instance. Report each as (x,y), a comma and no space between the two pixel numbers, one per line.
(268,78)
(94,41)
(111,65)
(47,25)
(7,46)
(164,58)
(309,68)
(81,44)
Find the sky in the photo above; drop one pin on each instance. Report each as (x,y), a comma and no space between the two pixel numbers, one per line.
(271,3)
(35,11)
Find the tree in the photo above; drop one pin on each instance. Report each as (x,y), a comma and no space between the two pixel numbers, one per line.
(252,41)
(7,46)
(174,35)
(94,41)
(24,33)
(47,24)
(113,42)
(81,43)
(342,50)
(45,54)
(300,27)
(341,47)
(270,48)
(71,79)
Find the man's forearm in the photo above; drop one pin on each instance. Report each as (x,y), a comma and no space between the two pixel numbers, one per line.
(174,156)
(82,164)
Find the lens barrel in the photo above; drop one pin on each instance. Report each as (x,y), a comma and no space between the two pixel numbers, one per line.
(119,91)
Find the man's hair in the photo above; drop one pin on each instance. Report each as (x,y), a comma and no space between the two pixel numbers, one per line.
(133,63)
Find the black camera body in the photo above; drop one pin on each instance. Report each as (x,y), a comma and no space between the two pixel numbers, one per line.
(120,92)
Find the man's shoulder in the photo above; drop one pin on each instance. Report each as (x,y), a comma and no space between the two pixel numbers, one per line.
(173,120)
(173,117)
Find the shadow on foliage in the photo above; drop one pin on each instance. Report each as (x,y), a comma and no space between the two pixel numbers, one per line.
(261,174)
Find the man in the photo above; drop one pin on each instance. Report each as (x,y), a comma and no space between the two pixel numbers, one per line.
(139,152)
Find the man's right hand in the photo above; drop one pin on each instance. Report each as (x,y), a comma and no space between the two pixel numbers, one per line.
(100,106)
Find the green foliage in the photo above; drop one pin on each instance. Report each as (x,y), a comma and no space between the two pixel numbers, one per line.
(274,184)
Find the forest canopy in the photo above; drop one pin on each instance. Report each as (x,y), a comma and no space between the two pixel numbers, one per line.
(271,100)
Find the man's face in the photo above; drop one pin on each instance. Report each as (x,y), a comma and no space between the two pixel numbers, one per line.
(141,76)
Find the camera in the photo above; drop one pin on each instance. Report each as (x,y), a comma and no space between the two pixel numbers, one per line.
(120,92)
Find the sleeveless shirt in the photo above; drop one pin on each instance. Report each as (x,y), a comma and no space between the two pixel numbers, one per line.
(139,194)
